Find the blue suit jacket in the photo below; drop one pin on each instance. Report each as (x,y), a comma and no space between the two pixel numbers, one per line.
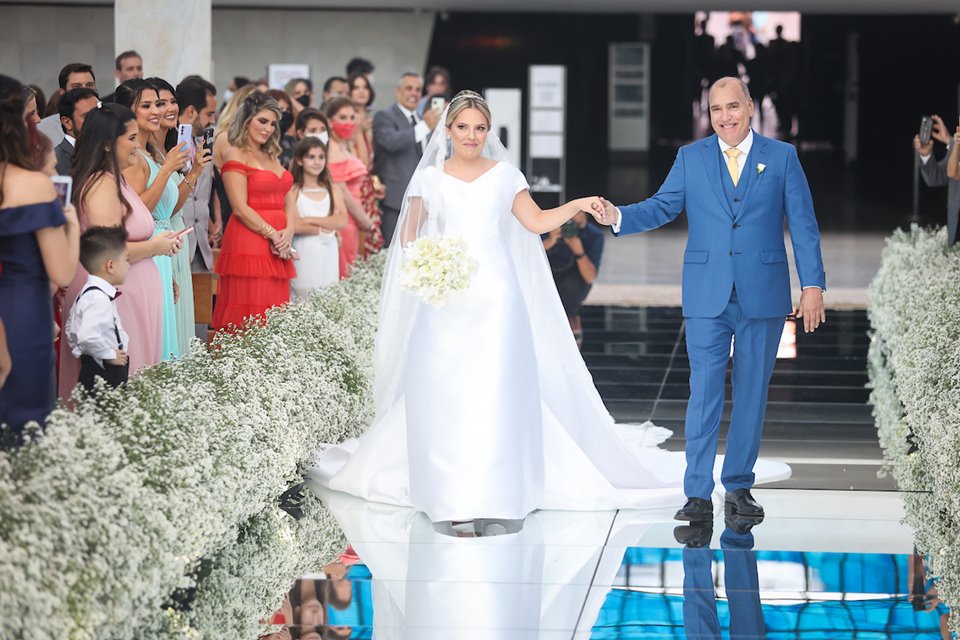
(747,249)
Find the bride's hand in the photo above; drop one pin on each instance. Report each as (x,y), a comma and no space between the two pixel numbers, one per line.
(593,206)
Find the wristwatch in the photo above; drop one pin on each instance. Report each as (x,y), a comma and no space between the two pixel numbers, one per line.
(577,256)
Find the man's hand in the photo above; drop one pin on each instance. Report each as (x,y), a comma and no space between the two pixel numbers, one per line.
(811,309)
(575,244)
(922,149)
(609,216)
(120,360)
(431,117)
(940,132)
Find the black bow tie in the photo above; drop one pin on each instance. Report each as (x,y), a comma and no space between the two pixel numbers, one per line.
(115,296)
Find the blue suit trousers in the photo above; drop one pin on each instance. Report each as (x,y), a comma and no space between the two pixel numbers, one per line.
(755,343)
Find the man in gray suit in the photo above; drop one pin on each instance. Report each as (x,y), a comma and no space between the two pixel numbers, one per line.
(197,99)
(934,173)
(73,107)
(399,139)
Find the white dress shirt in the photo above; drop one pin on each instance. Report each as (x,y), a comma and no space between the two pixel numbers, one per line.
(69,138)
(745,145)
(90,328)
(420,130)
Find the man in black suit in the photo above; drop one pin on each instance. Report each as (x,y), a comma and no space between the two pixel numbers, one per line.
(74,106)
(399,140)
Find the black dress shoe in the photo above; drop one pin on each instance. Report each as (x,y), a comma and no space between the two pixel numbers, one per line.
(741,503)
(694,535)
(740,524)
(696,510)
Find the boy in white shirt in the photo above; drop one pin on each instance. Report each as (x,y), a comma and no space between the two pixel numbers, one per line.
(94,331)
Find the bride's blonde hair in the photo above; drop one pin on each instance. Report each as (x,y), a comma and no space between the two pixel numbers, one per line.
(467,100)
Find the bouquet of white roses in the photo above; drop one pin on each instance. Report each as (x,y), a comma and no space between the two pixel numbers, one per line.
(437,268)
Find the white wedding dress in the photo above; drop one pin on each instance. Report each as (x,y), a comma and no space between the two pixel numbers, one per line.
(485,408)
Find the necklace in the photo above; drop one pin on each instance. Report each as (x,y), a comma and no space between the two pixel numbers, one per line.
(313,190)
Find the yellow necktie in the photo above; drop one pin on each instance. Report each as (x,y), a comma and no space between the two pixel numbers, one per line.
(732,165)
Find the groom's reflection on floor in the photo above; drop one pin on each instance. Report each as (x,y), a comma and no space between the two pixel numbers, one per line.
(700,618)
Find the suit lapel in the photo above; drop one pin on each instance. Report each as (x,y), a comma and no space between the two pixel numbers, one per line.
(711,163)
(759,156)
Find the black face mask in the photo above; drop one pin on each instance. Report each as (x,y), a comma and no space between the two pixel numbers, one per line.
(304,100)
(286,119)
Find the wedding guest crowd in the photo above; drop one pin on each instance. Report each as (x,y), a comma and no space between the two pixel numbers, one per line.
(271,194)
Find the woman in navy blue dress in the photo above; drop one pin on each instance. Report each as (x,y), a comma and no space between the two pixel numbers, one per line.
(39,245)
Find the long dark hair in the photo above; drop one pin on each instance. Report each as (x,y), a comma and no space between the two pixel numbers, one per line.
(19,141)
(96,152)
(300,151)
(129,94)
(170,139)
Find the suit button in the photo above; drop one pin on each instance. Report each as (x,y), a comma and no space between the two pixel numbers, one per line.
(731,253)
(736,199)
(736,225)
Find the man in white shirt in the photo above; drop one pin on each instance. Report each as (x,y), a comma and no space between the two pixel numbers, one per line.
(94,331)
(74,107)
(399,140)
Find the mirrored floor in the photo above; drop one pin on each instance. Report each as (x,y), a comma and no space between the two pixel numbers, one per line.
(831,559)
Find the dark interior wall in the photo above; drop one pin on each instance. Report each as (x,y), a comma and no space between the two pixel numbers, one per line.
(484,50)
(908,67)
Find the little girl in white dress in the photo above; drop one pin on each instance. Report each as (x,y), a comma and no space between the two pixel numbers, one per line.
(321,212)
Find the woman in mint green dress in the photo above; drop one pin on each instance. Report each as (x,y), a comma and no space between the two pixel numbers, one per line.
(158,189)
(166,138)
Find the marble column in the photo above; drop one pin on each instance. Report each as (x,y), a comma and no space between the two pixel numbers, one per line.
(174,37)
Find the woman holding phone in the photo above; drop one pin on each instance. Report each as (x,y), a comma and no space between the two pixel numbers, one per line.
(164,142)
(39,244)
(156,182)
(110,144)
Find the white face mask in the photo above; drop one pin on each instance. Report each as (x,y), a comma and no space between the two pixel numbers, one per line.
(323,136)
(227,95)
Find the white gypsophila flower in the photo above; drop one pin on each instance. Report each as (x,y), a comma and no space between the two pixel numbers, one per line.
(914,370)
(112,508)
(437,268)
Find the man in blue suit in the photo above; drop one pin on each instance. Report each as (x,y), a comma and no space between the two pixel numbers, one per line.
(736,187)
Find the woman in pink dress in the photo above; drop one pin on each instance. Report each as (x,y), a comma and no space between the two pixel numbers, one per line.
(110,144)
(346,167)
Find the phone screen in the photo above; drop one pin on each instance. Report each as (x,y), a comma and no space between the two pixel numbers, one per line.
(64,187)
(185,135)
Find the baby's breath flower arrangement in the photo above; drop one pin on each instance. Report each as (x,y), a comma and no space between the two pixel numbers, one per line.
(914,368)
(170,483)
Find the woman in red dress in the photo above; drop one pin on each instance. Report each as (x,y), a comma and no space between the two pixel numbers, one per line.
(347,168)
(254,265)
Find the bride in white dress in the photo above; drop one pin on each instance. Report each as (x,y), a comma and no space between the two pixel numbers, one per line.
(485,408)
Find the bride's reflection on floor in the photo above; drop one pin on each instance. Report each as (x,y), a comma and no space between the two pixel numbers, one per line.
(510,580)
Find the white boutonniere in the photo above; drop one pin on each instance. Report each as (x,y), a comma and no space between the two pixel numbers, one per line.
(760,167)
